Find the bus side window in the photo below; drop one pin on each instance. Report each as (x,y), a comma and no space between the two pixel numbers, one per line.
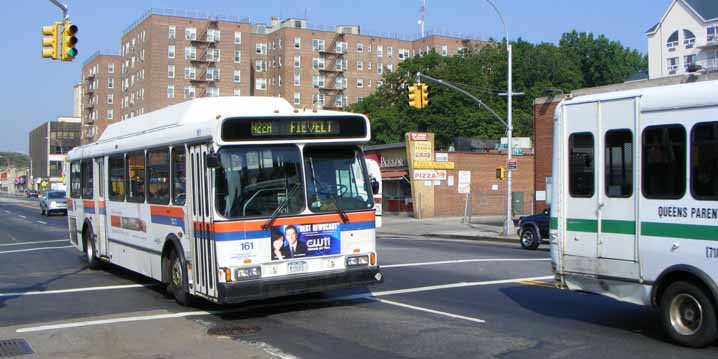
(619,163)
(117,178)
(87,179)
(136,177)
(581,165)
(704,161)
(158,176)
(664,162)
(75,180)
(179,176)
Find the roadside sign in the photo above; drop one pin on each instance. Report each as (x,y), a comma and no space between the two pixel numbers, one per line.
(513,164)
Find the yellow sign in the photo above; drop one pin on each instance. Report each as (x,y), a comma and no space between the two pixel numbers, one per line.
(423,150)
(433,165)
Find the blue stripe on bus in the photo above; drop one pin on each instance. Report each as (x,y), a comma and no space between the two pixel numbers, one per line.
(89,210)
(168,220)
(103,211)
(238,236)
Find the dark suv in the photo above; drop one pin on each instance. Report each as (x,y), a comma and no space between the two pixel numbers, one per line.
(533,229)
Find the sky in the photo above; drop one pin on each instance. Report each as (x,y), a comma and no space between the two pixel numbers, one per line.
(38,90)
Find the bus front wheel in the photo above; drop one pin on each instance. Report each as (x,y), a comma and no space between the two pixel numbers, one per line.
(689,315)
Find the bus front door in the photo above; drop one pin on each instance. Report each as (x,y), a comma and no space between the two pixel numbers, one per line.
(202,247)
(100,210)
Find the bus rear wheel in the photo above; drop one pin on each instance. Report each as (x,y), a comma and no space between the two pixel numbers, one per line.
(689,315)
(92,261)
(176,280)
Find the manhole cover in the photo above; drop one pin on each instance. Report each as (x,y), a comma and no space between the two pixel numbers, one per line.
(14,347)
(234,331)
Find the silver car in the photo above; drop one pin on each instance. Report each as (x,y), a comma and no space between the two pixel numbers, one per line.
(53,201)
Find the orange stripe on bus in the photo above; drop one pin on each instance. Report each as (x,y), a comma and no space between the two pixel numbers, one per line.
(69,201)
(116,221)
(88,204)
(256,225)
(102,204)
(167,211)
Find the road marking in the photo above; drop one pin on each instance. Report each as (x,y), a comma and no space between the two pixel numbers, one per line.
(21,216)
(6,211)
(370,296)
(466,261)
(41,222)
(537,283)
(26,206)
(432,311)
(76,290)
(34,249)
(35,242)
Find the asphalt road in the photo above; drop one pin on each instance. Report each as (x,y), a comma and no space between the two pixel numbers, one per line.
(440,299)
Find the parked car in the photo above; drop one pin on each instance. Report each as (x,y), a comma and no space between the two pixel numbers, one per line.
(534,229)
(53,201)
(31,193)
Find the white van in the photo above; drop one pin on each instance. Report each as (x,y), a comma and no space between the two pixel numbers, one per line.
(635,202)
(376,185)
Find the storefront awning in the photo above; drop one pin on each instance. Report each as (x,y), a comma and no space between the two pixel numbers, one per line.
(394,175)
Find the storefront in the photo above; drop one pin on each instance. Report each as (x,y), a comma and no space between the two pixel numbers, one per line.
(396,186)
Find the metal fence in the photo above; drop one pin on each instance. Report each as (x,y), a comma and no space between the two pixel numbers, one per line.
(478,204)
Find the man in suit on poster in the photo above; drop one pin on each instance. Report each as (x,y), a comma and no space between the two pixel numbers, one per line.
(297,248)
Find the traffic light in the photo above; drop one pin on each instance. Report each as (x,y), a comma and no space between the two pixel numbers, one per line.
(501,173)
(415,96)
(69,52)
(424,95)
(49,40)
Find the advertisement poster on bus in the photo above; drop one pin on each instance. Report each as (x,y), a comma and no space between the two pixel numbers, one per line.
(305,240)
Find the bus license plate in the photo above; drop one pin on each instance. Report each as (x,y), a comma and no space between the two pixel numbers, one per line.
(296,267)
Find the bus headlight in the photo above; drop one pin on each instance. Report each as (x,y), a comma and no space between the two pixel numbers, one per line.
(250,272)
(357,261)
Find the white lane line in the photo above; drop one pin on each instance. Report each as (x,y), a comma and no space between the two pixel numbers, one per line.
(466,261)
(41,222)
(35,249)
(370,296)
(432,311)
(6,211)
(76,290)
(35,242)
(21,216)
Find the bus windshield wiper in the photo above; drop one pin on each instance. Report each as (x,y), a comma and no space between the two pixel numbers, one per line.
(275,214)
(340,210)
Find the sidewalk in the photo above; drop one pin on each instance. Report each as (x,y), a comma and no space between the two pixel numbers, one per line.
(480,228)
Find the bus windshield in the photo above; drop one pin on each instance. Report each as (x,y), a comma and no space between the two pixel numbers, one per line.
(255,181)
(336,179)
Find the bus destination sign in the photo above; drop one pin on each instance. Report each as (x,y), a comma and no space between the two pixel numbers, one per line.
(295,127)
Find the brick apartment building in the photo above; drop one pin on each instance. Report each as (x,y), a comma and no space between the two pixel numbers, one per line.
(167,57)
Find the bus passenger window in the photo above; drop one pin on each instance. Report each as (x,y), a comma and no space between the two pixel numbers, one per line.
(75,180)
(664,162)
(179,176)
(158,176)
(704,161)
(117,178)
(619,163)
(581,165)
(87,179)
(136,177)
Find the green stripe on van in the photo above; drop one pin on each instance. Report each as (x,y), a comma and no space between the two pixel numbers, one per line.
(554,223)
(618,227)
(688,231)
(582,225)
(591,226)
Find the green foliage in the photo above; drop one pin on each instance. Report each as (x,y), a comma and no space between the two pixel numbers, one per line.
(17,160)
(580,60)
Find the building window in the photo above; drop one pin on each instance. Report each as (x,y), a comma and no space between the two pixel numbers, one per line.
(379,83)
(340,47)
(360,65)
(261,48)
(237,56)
(318,45)
(259,65)
(689,39)
(297,61)
(189,92)
(212,74)
(663,174)
(672,65)
(279,82)
(213,35)
(318,99)
(360,83)
(360,47)
(170,71)
(689,61)
(712,34)
(213,91)
(672,42)
(581,165)
(171,52)
(190,73)
(297,98)
(379,51)
(318,81)
(368,83)
(110,68)
(110,83)
(297,42)
(136,177)
(110,114)
(619,163)
(380,68)
(390,67)
(318,63)
(190,33)
(704,161)
(170,91)
(403,54)
(389,52)
(444,50)
(190,53)
(260,84)
(172,33)
(237,76)
(110,99)
(368,66)
(237,92)
(297,77)
(237,38)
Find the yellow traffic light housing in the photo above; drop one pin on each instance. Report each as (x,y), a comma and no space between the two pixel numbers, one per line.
(49,40)
(415,96)
(424,95)
(68,52)
(501,173)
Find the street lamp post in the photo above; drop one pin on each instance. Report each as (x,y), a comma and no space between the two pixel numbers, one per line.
(509,223)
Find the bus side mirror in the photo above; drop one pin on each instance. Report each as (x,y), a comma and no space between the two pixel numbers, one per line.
(374,186)
(213,160)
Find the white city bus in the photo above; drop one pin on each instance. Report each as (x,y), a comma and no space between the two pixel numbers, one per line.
(229,199)
(635,202)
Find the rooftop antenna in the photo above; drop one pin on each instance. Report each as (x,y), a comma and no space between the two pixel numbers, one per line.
(422,13)
(306,11)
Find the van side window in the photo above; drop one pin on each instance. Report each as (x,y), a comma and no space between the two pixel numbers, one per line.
(704,161)
(179,176)
(158,176)
(136,177)
(117,178)
(87,179)
(664,162)
(619,163)
(75,180)
(581,165)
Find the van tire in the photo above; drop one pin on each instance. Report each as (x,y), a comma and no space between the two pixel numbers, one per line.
(529,238)
(688,315)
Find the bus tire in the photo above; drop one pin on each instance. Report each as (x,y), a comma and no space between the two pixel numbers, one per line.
(90,254)
(529,238)
(177,280)
(688,315)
